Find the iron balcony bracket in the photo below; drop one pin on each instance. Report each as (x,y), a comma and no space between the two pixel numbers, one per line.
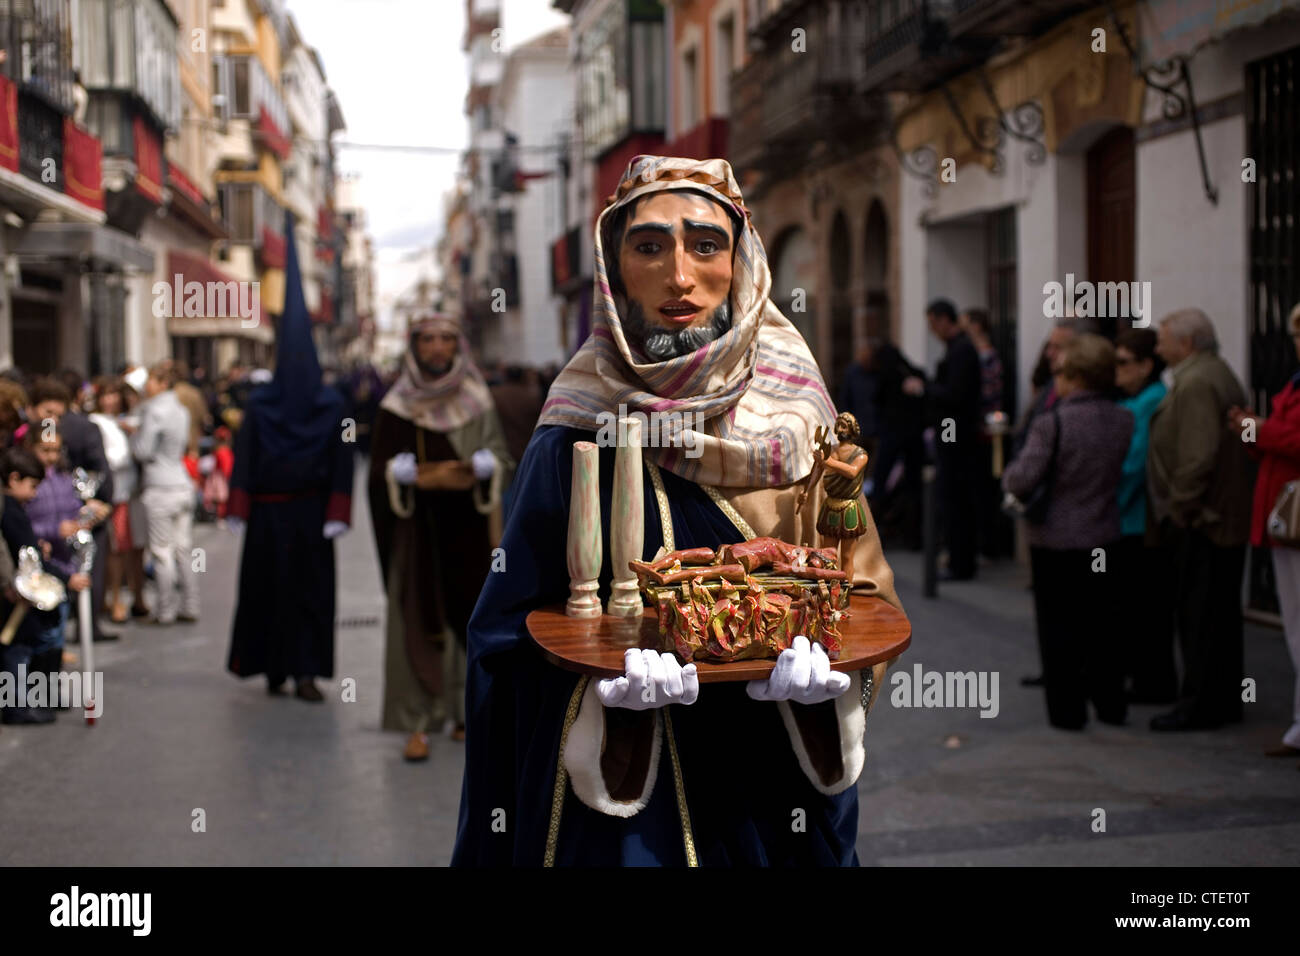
(987,137)
(1024,122)
(1165,77)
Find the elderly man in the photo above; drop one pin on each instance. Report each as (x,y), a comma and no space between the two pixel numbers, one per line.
(684,323)
(1199,478)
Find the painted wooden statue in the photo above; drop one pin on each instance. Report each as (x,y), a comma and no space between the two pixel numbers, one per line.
(842,518)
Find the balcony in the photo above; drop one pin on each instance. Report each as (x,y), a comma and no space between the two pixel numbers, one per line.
(920,44)
(247,93)
(254,219)
(47,161)
(789,105)
(150,72)
(1004,18)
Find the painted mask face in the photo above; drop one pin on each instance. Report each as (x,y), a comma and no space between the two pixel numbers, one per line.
(675,267)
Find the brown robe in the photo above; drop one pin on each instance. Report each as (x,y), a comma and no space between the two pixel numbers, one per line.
(434,564)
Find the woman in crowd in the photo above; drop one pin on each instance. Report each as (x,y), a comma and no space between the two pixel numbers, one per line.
(13,400)
(1078,449)
(1143,577)
(1277,449)
(109,407)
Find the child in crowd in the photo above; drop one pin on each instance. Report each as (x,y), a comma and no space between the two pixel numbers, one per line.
(38,643)
(216,481)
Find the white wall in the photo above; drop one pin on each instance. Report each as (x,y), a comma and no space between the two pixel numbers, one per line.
(538,97)
(1195,253)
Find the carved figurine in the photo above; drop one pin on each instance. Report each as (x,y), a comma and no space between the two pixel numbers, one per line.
(842,518)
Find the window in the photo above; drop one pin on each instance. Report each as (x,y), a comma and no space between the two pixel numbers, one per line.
(237,211)
(724,59)
(247,90)
(241,103)
(690,91)
(37,37)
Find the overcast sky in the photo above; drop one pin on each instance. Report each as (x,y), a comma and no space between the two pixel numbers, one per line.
(399,73)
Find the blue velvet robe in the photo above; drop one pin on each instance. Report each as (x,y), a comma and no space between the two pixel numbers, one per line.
(742,780)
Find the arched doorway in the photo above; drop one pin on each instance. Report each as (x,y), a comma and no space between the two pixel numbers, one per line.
(876,271)
(794,276)
(841,303)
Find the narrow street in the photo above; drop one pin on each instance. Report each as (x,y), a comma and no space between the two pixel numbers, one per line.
(281,781)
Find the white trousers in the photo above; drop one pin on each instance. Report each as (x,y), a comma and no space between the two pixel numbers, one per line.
(170,516)
(1286,568)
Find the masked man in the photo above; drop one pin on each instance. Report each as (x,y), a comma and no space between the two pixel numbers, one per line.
(684,324)
(438,463)
(292,484)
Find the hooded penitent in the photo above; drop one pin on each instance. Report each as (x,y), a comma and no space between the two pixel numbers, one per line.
(757,387)
(292,479)
(297,413)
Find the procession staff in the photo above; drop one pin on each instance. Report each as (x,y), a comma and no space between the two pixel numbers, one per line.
(438,462)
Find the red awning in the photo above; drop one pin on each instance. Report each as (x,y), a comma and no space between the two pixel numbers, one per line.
(273,248)
(192,267)
(83,166)
(178,181)
(148,160)
(8,124)
(272,135)
(185,267)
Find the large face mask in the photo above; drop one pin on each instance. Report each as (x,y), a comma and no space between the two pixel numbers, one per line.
(674,273)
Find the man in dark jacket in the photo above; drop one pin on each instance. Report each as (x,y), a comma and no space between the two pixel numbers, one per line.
(954,408)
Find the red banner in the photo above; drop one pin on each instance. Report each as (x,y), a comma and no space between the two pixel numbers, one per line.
(272,135)
(148,160)
(83,166)
(8,124)
(273,248)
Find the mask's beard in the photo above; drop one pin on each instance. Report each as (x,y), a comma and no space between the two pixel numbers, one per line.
(661,344)
(434,371)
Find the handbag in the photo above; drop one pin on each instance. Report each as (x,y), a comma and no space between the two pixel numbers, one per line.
(1284,519)
(1033,508)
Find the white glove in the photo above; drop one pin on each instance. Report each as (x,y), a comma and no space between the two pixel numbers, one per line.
(802,674)
(234,525)
(484,463)
(653,680)
(334,528)
(403,468)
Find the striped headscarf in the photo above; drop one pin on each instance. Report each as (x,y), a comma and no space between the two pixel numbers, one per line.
(444,403)
(756,389)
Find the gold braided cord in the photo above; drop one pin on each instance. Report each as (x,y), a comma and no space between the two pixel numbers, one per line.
(688,838)
(561,774)
(729,510)
(661,499)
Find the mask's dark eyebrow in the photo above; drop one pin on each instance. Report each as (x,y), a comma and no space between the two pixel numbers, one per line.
(708,227)
(648,227)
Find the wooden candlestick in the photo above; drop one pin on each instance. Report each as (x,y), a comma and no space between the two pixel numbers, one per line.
(627,522)
(584,544)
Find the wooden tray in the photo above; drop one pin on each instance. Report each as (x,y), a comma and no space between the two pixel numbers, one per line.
(875,632)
